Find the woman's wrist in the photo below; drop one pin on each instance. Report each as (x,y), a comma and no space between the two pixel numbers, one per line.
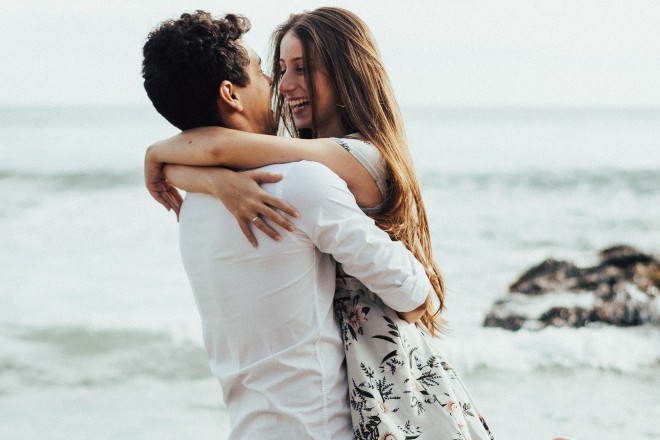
(215,178)
(152,154)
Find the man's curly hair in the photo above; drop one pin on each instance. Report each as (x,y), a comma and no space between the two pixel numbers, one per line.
(185,61)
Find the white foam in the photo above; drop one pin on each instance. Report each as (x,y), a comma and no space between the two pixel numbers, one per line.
(634,350)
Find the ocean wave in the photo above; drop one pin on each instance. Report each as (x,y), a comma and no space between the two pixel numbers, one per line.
(638,182)
(81,356)
(633,350)
(59,181)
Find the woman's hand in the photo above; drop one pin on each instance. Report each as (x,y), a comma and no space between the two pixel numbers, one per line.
(241,194)
(243,197)
(158,186)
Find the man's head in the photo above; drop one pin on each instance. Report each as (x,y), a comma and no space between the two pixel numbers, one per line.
(198,72)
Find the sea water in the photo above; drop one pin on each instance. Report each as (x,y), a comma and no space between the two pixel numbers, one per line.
(100,338)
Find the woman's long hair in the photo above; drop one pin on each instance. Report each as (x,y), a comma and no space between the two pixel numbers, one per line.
(340,42)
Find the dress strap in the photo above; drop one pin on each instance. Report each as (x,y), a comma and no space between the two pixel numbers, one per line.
(371,160)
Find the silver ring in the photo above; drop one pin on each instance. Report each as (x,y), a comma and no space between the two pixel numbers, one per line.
(256,217)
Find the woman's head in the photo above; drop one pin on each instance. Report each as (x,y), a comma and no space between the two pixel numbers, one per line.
(305,86)
(329,80)
(337,70)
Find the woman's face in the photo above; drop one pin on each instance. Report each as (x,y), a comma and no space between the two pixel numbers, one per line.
(293,86)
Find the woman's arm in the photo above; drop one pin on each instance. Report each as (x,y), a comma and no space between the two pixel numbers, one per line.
(237,149)
(239,192)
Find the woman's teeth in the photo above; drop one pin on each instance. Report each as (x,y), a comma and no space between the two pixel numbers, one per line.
(298,103)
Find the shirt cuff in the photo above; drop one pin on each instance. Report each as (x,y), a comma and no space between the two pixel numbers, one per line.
(411,294)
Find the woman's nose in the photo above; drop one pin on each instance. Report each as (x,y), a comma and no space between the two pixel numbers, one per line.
(286,85)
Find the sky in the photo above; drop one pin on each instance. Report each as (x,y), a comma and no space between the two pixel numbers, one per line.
(438,53)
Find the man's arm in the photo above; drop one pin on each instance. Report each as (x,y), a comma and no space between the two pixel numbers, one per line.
(415,314)
(330,217)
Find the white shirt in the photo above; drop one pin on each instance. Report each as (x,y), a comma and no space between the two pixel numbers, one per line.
(267,315)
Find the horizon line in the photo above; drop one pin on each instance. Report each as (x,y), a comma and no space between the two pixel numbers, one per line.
(492,107)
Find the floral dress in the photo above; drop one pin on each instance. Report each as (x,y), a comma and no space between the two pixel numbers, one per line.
(400,385)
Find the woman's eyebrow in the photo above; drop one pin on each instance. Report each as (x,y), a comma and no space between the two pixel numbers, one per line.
(282,60)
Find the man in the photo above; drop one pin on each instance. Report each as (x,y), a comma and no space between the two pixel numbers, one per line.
(266,312)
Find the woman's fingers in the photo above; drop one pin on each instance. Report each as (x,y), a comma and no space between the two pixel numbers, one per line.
(282,206)
(160,199)
(261,224)
(172,202)
(161,195)
(177,196)
(245,229)
(255,208)
(264,176)
(175,199)
(271,214)
(168,196)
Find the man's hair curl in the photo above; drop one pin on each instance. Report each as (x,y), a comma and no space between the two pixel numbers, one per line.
(186,60)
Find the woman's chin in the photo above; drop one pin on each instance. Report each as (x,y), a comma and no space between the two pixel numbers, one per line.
(302,122)
(302,117)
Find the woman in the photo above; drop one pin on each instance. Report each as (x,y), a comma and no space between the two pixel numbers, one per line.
(330,85)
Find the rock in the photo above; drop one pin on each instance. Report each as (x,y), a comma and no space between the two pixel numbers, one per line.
(545,277)
(623,289)
(511,322)
(623,256)
(563,317)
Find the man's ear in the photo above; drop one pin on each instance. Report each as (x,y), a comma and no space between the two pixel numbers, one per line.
(228,96)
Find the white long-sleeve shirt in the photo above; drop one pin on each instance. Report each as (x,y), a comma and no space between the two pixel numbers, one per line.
(267,315)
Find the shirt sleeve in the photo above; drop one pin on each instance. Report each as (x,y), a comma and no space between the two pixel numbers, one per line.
(330,217)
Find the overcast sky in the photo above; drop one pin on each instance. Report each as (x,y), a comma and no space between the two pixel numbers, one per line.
(444,52)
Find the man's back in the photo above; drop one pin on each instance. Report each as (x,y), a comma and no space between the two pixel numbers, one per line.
(268,326)
(266,313)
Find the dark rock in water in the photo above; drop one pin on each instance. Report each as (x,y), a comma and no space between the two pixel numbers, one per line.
(623,289)
(623,256)
(510,322)
(545,277)
(567,317)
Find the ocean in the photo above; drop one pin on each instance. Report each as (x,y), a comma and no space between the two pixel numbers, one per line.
(100,337)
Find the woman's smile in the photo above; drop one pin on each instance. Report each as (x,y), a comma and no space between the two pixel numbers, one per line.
(298,106)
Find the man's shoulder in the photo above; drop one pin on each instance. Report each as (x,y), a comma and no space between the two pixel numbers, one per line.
(313,175)
(302,167)
(302,172)
(304,181)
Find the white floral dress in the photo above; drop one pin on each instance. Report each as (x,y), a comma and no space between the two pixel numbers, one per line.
(400,385)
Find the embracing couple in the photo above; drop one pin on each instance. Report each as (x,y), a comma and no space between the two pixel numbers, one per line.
(309,254)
